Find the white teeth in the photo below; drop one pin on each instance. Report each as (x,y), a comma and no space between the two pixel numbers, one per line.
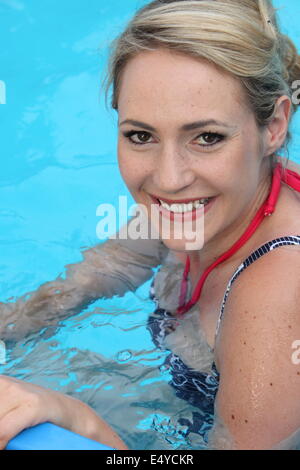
(180,208)
(174,208)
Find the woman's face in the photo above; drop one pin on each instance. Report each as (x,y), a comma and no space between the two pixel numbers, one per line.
(186,134)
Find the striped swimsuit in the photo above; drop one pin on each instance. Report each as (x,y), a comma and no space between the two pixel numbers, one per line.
(199,388)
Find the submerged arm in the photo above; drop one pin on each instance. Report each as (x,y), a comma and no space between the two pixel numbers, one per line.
(111,268)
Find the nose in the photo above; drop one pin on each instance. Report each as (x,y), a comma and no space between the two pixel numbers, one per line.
(173,170)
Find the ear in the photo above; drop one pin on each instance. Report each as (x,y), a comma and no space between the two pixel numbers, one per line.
(276,130)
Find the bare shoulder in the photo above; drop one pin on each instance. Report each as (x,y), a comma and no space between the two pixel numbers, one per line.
(266,293)
(258,397)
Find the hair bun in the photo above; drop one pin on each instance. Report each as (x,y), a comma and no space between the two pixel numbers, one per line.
(291,59)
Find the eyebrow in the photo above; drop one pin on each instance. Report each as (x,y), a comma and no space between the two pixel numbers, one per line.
(186,127)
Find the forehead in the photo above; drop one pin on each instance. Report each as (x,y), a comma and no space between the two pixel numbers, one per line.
(162,83)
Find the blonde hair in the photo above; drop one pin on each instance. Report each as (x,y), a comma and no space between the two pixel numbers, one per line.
(240,36)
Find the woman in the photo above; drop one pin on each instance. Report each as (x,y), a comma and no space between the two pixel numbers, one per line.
(203,90)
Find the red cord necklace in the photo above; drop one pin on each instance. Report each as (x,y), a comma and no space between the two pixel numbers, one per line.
(266,209)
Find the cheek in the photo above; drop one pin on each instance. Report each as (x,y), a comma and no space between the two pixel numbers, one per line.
(130,169)
(236,178)
(247,156)
(124,163)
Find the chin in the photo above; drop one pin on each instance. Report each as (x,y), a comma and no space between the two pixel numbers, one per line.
(183,245)
(178,235)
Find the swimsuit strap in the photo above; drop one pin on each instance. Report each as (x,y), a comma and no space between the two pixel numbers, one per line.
(263,250)
(267,208)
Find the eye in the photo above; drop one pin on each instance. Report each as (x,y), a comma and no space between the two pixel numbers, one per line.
(138,137)
(208,139)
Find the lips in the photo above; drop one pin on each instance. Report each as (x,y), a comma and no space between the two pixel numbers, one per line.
(177,201)
(180,217)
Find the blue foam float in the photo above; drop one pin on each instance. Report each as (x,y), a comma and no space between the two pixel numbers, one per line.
(48,436)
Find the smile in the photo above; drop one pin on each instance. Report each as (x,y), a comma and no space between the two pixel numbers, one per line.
(190,208)
(179,207)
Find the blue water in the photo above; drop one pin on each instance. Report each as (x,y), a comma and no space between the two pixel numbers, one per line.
(58,163)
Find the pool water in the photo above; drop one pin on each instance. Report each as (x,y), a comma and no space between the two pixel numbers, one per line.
(58,163)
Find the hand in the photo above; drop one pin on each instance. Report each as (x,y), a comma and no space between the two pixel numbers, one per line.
(23,405)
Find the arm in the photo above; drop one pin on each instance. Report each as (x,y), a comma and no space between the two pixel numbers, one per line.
(257,405)
(111,268)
